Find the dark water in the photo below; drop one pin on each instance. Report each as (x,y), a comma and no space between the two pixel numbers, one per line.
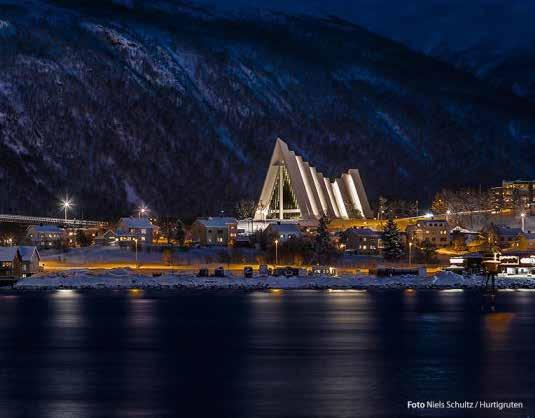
(262,354)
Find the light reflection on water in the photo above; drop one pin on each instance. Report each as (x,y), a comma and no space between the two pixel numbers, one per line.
(260,354)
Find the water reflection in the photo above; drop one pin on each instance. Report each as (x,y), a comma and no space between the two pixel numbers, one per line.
(260,354)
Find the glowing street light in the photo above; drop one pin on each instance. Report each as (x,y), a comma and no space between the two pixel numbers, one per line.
(66,204)
(523,217)
(428,215)
(410,254)
(142,211)
(276,252)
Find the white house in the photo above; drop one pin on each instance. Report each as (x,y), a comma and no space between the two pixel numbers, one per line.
(30,260)
(129,229)
(283,231)
(45,236)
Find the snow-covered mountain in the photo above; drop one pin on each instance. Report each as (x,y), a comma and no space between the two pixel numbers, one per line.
(178,106)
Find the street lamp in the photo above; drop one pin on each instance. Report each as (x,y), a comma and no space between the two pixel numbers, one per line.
(276,252)
(66,204)
(142,210)
(448,213)
(410,254)
(135,243)
(523,217)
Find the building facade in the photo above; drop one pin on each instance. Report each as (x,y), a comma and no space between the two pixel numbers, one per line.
(293,189)
(363,241)
(45,236)
(30,259)
(503,236)
(436,231)
(516,195)
(283,231)
(215,231)
(10,263)
(134,229)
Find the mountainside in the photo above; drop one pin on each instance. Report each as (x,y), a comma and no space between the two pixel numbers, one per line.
(118,102)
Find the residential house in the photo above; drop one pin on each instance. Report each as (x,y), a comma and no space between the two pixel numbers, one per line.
(363,241)
(45,236)
(283,231)
(436,231)
(107,238)
(525,241)
(219,230)
(503,236)
(30,260)
(461,238)
(130,229)
(10,263)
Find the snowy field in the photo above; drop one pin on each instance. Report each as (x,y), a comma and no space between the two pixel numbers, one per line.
(127,279)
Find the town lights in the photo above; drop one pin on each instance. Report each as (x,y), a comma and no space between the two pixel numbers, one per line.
(428,215)
(276,252)
(66,204)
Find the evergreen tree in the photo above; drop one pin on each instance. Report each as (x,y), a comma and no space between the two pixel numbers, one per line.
(180,233)
(322,241)
(426,253)
(392,247)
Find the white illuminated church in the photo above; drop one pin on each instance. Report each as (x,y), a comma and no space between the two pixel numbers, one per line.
(294,190)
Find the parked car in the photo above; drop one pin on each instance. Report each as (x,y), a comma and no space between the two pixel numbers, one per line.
(203,273)
(219,272)
(263,270)
(322,271)
(286,271)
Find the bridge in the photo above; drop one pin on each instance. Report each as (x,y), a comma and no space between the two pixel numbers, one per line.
(38,220)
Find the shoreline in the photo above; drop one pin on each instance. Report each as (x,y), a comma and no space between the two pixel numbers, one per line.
(128,279)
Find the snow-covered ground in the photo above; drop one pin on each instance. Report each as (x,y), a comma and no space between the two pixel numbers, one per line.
(126,279)
(97,254)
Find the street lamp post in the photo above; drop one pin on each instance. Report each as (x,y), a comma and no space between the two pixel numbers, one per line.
(142,211)
(135,243)
(410,254)
(66,204)
(448,213)
(276,252)
(523,217)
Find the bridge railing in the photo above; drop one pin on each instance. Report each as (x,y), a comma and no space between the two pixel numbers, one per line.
(36,220)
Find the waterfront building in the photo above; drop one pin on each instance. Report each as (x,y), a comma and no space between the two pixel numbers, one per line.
(131,229)
(517,263)
(293,189)
(216,231)
(10,263)
(30,260)
(436,231)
